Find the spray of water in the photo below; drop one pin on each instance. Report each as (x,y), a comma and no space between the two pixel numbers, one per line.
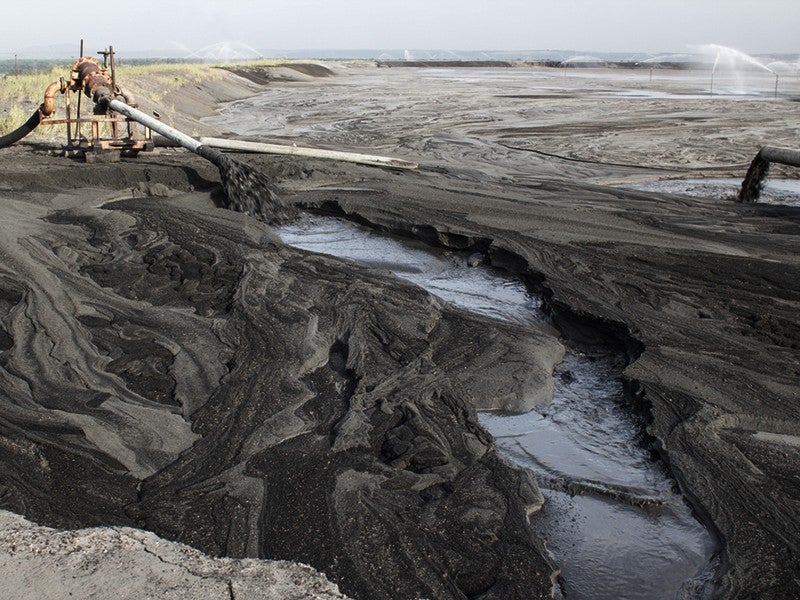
(732,57)
(736,62)
(716,62)
(783,67)
(226,50)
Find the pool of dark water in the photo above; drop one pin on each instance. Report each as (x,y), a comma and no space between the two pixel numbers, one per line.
(613,519)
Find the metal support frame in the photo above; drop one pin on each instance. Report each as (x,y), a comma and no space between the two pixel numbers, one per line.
(126,137)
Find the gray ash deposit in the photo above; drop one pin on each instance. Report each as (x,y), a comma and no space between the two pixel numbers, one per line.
(174,367)
(613,517)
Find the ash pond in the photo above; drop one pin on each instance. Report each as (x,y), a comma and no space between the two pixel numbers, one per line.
(613,519)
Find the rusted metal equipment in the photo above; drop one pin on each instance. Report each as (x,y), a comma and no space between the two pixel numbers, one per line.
(754,180)
(100,134)
(247,189)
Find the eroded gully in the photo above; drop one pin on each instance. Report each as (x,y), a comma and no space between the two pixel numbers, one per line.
(614,520)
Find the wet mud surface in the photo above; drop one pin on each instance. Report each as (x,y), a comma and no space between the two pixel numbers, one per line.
(784,192)
(173,366)
(614,519)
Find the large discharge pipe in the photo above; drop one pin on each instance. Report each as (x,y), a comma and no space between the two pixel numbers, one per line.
(248,190)
(754,180)
(21,131)
(158,126)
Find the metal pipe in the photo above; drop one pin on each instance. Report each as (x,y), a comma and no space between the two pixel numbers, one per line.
(248,191)
(159,127)
(367,159)
(754,180)
(48,107)
(87,75)
(95,83)
(785,156)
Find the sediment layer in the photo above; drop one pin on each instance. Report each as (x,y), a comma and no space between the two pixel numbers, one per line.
(169,365)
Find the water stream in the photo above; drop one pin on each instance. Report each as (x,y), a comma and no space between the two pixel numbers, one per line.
(613,518)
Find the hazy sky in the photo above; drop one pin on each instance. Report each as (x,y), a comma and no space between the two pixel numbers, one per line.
(752,26)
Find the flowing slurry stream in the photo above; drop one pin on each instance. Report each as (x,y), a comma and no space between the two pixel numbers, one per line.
(784,192)
(613,520)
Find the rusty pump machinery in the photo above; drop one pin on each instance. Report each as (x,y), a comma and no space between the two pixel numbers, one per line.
(88,78)
(99,84)
(102,132)
(247,190)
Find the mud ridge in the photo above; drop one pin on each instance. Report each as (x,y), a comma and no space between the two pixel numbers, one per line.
(139,333)
(578,327)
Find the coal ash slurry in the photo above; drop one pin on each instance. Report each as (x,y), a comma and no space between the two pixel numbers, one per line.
(445,274)
(248,190)
(780,192)
(614,520)
(753,183)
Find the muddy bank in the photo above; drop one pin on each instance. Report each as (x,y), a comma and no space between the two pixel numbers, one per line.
(136,337)
(172,366)
(704,292)
(447,64)
(263,75)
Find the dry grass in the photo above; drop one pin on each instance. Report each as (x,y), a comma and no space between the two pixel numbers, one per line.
(28,88)
(152,84)
(12,118)
(169,76)
(21,95)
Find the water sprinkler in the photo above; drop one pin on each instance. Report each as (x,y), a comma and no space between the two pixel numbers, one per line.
(713,70)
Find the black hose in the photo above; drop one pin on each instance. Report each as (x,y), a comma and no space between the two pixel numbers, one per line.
(21,131)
